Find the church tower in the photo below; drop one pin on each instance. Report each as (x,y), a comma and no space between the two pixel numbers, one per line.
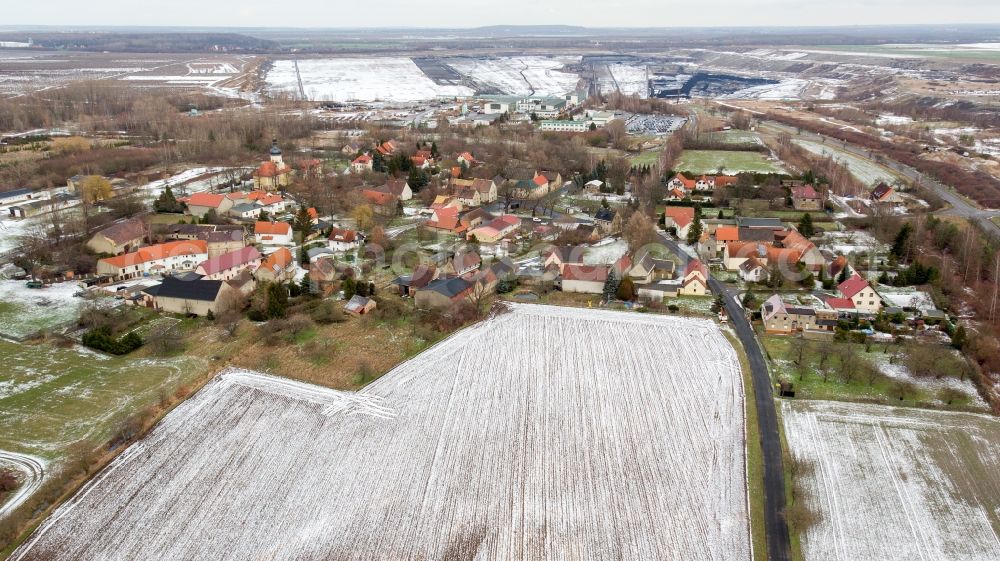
(276,154)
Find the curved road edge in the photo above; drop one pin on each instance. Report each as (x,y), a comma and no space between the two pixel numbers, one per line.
(34,471)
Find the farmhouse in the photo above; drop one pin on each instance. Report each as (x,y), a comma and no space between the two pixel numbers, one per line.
(229,265)
(121,237)
(496,230)
(162,258)
(273,233)
(445,218)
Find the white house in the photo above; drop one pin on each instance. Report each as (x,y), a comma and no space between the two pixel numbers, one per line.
(273,233)
(362,164)
(341,240)
(168,257)
(229,265)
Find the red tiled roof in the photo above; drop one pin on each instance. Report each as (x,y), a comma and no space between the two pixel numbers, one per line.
(379,198)
(278,260)
(840,303)
(342,235)
(160,251)
(688,183)
(210,200)
(272,228)
(681,215)
(573,271)
(540,180)
(696,265)
(727,233)
(363,159)
(804,192)
(852,286)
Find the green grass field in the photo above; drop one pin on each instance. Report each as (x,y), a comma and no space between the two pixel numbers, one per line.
(712,161)
(53,397)
(647,158)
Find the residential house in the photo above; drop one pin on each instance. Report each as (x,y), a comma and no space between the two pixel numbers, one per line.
(387,148)
(865,299)
(447,219)
(224,240)
(496,229)
(805,197)
(382,203)
(245,211)
(398,188)
(277,267)
(273,233)
(229,265)
(466,159)
(341,240)
(587,279)
(608,221)
(190,297)
(461,263)
(560,256)
(271,203)
(443,293)
(199,204)
(752,270)
(695,280)
(782,319)
(680,218)
(682,183)
(883,193)
(359,305)
(464,191)
(351,148)
(446,201)
(161,258)
(121,237)
(274,173)
(808,254)
(362,164)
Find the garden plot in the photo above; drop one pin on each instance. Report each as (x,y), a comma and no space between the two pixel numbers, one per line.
(865,171)
(359,79)
(852,241)
(897,484)
(531,75)
(543,433)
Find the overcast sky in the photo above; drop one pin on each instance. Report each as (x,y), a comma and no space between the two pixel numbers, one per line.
(464,13)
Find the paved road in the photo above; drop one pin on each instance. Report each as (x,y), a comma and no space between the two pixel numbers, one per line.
(959,205)
(775,527)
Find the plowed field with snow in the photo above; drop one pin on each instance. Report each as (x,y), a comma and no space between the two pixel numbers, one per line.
(895,484)
(541,434)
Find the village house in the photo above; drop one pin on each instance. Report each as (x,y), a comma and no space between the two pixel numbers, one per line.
(466,159)
(398,188)
(464,192)
(682,183)
(273,174)
(382,203)
(277,267)
(387,148)
(782,319)
(586,279)
(229,265)
(559,256)
(121,237)
(224,240)
(608,220)
(805,197)
(341,240)
(679,218)
(865,299)
(446,219)
(199,204)
(245,211)
(752,270)
(271,203)
(885,194)
(496,229)
(162,258)
(695,279)
(198,297)
(273,233)
(362,164)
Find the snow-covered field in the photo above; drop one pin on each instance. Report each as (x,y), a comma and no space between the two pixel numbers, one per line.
(864,170)
(629,79)
(520,75)
(790,88)
(26,311)
(897,484)
(605,253)
(359,79)
(585,435)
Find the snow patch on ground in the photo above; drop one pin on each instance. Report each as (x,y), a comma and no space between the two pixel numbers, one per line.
(548,443)
(521,75)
